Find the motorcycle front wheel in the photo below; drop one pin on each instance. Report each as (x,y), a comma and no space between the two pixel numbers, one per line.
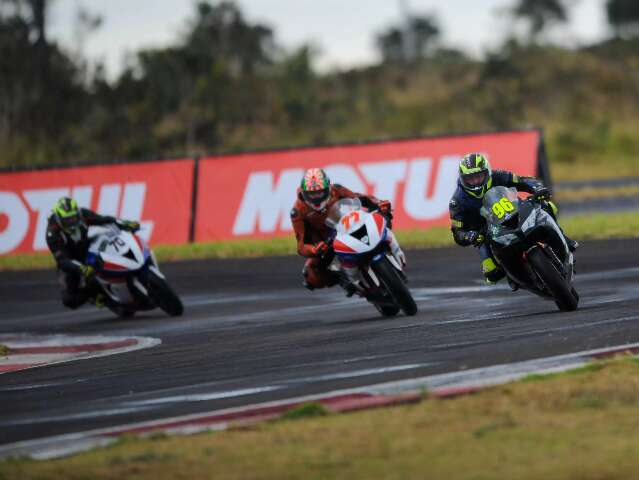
(395,285)
(387,310)
(560,289)
(163,295)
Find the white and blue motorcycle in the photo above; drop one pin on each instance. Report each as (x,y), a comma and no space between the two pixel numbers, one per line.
(128,273)
(368,258)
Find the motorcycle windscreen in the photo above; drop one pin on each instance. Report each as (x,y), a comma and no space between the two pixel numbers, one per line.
(500,204)
(340,209)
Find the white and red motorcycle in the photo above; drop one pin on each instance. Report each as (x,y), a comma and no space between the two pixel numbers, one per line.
(128,273)
(368,258)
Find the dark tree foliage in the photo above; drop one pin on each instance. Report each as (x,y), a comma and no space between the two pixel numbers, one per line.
(40,92)
(410,42)
(224,84)
(183,99)
(623,16)
(540,14)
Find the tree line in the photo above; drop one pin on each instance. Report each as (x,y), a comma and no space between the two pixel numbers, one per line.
(226,84)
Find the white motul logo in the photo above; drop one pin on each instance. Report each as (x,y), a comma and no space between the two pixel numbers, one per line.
(267,200)
(113,199)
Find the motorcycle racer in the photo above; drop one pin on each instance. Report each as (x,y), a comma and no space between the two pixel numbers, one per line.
(315,195)
(467,224)
(67,239)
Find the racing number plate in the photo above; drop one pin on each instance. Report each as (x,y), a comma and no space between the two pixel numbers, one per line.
(502,207)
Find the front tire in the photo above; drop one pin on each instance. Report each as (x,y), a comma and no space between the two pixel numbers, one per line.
(387,310)
(163,295)
(395,286)
(560,289)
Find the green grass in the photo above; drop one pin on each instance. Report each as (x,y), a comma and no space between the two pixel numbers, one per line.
(228,249)
(4,350)
(307,410)
(581,194)
(613,167)
(582,227)
(602,225)
(591,367)
(583,424)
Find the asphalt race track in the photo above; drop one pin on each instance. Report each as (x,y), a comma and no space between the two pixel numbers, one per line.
(251,333)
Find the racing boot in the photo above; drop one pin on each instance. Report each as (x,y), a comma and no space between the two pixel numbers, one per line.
(492,272)
(305,282)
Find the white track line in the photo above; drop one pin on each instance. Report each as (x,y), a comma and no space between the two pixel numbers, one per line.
(40,360)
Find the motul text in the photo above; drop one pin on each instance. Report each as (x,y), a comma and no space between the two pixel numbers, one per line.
(252,194)
(157,194)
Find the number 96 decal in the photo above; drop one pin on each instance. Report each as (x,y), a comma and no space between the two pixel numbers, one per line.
(502,207)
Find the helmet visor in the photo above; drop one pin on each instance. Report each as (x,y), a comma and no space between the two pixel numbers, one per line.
(476,179)
(70,223)
(317,197)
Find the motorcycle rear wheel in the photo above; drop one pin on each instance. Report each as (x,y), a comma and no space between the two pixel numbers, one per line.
(560,289)
(163,295)
(395,286)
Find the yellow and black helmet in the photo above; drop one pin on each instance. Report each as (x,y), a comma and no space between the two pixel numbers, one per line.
(67,214)
(475,175)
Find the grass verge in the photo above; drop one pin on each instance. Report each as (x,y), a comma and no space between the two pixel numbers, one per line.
(579,425)
(581,194)
(306,410)
(595,169)
(582,227)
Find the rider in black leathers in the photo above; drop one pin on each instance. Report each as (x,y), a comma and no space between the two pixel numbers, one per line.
(67,230)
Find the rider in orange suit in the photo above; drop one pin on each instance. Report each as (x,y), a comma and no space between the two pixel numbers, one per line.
(315,196)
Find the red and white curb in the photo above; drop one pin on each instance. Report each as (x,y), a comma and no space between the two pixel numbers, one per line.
(29,351)
(379,395)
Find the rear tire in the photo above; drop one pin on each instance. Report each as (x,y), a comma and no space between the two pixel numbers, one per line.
(565,299)
(163,295)
(395,285)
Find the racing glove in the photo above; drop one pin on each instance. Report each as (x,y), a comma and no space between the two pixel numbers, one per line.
(128,225)
(385,208)
(542,192)
(320,249)
(474,238)
(87,271)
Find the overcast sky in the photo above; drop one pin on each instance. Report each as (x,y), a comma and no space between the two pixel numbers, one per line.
(343,29)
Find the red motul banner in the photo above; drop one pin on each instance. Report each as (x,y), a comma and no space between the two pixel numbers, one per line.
(157,194)
(251,195)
